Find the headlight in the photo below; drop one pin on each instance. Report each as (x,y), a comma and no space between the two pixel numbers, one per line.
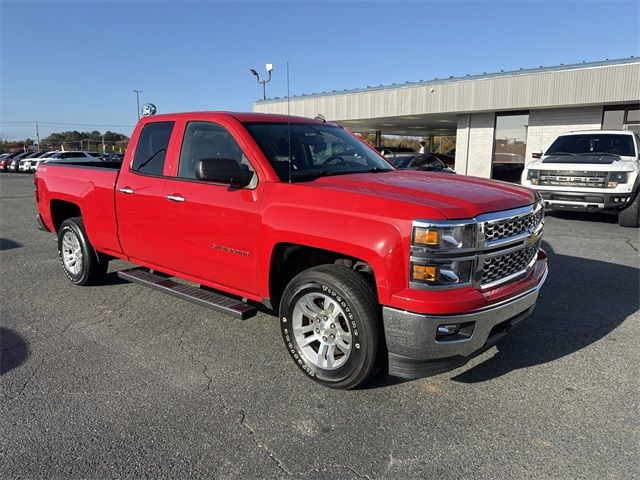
(617,177)
(442,272)
(533,176)
(451,237)
(430,241)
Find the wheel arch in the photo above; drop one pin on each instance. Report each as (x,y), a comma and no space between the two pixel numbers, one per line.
(62,210)
(288,259)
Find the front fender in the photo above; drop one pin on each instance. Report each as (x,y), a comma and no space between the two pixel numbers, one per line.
(373,240)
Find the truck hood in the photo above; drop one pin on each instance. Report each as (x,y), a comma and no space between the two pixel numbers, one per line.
(608,163)
(590,159)
(455,196)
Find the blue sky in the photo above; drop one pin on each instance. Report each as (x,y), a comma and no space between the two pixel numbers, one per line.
(78,63)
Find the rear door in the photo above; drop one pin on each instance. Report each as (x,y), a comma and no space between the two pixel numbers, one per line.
(212,229)
(140,202)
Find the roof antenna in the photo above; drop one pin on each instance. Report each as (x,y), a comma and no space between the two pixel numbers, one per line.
(288,123)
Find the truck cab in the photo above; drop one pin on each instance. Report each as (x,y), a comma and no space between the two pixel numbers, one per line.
(589,170)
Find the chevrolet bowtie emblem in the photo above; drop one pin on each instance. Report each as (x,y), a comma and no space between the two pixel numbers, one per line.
(532,239)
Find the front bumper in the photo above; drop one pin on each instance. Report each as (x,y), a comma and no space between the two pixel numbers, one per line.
(585,200)
(414,350)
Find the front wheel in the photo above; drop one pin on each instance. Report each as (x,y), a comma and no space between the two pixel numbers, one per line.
(81,263)
(330,323)
(630,216)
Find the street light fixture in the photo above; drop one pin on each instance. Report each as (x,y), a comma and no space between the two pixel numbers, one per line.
(269,68)
(138,92)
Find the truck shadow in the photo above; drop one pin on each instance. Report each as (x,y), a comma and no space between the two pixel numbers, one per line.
(582,301)
(13,350)
(600,217)
(7,244)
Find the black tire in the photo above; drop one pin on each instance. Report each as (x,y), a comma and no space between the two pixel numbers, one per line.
(92,267)
(630,216)
(359,310)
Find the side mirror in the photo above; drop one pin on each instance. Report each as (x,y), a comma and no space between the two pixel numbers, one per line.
(223,170)
(536,154)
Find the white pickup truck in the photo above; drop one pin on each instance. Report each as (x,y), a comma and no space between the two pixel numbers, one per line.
(590,170)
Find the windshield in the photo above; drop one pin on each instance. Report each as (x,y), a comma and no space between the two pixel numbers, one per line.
(316,150)
(593,144)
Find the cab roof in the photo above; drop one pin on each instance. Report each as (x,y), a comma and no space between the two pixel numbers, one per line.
(244,117)
(598,132)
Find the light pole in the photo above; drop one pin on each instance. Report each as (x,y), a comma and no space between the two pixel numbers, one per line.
(138,92)
(269,68)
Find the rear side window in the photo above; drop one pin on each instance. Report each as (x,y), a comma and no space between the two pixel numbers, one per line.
(152,148)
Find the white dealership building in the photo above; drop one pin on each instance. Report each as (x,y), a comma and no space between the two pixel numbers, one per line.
(498,119)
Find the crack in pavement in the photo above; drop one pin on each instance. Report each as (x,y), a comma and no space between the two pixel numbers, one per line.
(254,440)
(26,383)
(337,466)
(628,242)
(205,367)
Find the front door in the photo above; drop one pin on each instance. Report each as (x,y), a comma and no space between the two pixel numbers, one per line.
(212,228)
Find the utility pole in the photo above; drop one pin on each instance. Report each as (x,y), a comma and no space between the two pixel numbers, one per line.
(104,149)
(138,92)
(37,136)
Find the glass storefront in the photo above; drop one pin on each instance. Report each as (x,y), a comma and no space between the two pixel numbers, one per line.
(510,146)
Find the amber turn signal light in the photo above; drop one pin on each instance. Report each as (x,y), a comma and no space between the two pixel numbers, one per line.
(427,236)
(425,273)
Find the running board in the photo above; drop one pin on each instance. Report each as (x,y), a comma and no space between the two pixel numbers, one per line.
(220,303)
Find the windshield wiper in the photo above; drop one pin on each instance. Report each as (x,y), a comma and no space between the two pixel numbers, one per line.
(330,173)
(564,153)
(605,153)
(372,170)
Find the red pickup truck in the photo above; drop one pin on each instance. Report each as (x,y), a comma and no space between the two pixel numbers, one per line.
(367,266)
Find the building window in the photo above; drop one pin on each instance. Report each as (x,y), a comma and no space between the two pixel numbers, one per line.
(510,145)
(613,120)
(621,117)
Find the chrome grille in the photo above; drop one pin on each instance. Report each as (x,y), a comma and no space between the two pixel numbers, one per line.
(501,266)
(511,227)
(573,178)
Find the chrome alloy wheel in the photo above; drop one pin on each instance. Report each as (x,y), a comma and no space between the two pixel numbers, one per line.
(322,331)
(72,253)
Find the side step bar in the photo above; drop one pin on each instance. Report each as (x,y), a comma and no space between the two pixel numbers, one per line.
(220,303)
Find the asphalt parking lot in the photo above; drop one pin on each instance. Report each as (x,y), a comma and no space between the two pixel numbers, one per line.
(119,381)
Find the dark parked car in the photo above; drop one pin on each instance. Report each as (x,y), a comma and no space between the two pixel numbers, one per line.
(419,161)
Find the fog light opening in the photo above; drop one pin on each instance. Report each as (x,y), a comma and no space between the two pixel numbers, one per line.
(451,329)
(450,332)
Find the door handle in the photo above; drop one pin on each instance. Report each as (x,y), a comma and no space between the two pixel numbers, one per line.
(176,198)
(126,190)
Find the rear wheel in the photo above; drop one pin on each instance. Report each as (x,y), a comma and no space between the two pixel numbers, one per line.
(81,263)
(330,322)
(630,216)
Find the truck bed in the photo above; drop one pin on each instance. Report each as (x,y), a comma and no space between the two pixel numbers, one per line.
(90,185)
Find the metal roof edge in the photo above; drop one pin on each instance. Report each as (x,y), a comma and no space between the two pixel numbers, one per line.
(435,81)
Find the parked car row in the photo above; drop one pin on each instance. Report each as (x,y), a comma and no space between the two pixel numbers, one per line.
(28,162)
